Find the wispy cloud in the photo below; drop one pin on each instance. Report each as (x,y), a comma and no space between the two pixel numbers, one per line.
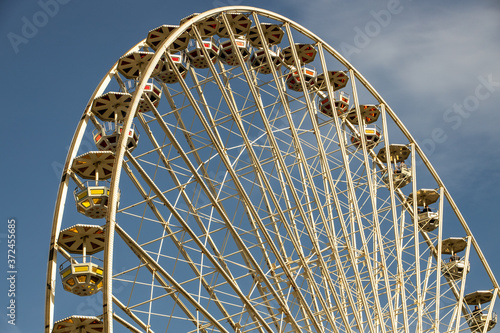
(441,54)
(425,59)
(424,49)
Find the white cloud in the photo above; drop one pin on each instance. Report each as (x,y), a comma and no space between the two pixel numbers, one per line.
(421,49)
(441,56)
(427,58)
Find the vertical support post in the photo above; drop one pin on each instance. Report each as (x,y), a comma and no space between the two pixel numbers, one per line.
(438,260)
(462,285)
(400,292)
(490,310)
(416,236)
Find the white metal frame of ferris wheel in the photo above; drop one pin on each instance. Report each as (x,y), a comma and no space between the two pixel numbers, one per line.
(315,304)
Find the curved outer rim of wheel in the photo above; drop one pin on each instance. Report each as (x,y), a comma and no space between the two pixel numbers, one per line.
(121,148)
(62,193)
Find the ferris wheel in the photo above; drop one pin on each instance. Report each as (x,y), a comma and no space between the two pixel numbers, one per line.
(246,178)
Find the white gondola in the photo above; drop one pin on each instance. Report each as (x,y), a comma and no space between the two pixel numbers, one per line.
(372,136)
(167,73)
(82,278)
(154,95)
(477,323)
(401,175)
(428,219)
(82,275)
(477,319)
(341,104)
(107,138)
(456,266)
(228,53)
(197,56)
(455,269)
(293,79)
(92,199)
(259,61)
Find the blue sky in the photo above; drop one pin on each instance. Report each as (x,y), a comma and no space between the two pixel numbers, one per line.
(435,63)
